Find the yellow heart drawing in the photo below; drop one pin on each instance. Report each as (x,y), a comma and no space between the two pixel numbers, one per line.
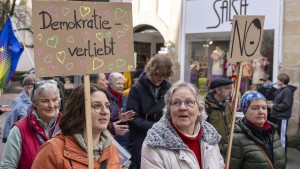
(97,63)
(39,36)
(84,10)
(61,56)
(130,67)
(42,70)
(126,27)
(99,36)
(120,62)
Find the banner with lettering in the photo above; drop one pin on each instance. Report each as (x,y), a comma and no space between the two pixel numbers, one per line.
(246,37)
(79,37)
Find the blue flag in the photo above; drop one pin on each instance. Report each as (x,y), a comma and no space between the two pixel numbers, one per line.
(10,52)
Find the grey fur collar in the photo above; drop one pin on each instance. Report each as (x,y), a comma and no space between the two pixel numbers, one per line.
(162,135)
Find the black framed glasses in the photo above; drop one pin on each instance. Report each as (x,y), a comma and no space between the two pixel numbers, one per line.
(188,103)
(99,107)
(41,83)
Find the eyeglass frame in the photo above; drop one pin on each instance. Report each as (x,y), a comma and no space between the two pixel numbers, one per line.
(40,83)
(108,106)
(185,104)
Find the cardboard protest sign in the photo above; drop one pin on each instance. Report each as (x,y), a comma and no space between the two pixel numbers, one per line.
(79,37)
(246,38)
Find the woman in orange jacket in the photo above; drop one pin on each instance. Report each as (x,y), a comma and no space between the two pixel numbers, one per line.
(68,148)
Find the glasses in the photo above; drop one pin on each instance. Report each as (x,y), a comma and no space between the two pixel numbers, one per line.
(30,85)
(188,103)
(41,83)
(99,107)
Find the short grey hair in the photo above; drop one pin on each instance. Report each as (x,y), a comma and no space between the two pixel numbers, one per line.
(50,87)
(28,78)
(193,89)
(113,76)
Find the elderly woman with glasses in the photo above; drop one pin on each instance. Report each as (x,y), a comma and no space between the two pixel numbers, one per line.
(40,125)
(182,138)
(68,149)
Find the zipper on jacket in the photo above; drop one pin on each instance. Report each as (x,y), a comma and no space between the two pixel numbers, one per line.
(71,163)
(195,158)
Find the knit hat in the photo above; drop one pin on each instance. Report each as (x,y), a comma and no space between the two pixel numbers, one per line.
(248,97)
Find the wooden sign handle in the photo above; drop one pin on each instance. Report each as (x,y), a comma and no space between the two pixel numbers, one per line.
(235,99)
(88,121)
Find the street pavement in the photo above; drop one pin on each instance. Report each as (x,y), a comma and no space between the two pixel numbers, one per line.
(293,154)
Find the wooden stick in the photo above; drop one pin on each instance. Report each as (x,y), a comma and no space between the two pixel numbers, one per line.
(88,121)
(235,99)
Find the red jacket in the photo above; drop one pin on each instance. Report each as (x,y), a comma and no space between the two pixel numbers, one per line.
(63,152)
(30,144)
(33,136)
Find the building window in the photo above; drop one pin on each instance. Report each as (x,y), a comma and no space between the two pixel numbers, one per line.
(207,60)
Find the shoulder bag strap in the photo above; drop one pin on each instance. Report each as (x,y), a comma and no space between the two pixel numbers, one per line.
(266,156)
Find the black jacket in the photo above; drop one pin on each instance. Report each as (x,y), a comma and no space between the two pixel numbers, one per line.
(142,100)
(283,102)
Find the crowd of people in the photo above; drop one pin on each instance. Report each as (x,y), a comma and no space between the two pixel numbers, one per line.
(162,125)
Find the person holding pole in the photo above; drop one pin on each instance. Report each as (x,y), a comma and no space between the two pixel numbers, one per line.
(33,130)
(68,149)
(255,142)
(182,138)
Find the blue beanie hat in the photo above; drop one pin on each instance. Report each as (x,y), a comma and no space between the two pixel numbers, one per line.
(248,97)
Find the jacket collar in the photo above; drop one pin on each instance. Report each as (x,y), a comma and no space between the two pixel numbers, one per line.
(169,139)
(73,151)
(241,127)
(164,86)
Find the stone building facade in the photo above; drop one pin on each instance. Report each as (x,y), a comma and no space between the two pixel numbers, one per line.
(291,59)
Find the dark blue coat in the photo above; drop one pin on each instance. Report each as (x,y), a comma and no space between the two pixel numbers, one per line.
(283,102)
(141,100)
(114,112)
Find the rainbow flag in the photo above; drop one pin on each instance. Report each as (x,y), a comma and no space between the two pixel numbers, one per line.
(10,52)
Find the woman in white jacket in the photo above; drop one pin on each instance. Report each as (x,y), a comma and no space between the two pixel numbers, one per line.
(182,138)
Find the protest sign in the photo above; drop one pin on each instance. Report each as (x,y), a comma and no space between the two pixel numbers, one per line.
(245,43)
(80,37)
(246,38)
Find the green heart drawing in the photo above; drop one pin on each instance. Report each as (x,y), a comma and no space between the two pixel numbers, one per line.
(52,42)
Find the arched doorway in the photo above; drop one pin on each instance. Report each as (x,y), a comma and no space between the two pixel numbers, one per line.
(148,41)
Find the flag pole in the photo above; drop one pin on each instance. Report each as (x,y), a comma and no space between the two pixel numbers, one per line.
(23,42)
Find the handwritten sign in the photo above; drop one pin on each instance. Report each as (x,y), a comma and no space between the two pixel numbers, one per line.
(246,37)
(78,37)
